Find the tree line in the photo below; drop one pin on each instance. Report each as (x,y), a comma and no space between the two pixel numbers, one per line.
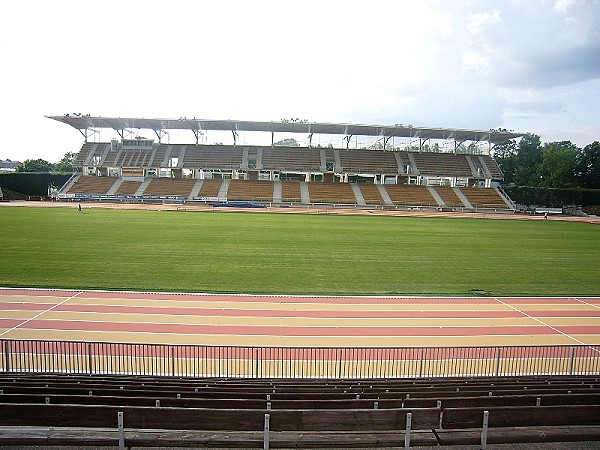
(557,165)
(65,165)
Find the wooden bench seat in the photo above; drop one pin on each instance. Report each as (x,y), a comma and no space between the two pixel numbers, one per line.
(68,436)
(521,416)
(212,419)
(54,409)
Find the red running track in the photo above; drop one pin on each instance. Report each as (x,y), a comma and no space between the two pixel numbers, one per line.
(304,321)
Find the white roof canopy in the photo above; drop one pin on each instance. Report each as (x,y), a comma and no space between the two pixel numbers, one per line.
(197,126)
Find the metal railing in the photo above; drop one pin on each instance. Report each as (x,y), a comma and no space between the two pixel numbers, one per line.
(294,362)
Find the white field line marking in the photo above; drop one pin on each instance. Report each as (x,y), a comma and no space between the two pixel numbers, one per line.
(40,313)
(586,303)
(545,324)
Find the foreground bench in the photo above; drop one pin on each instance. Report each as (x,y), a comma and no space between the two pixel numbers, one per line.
(341,428)
(142,411)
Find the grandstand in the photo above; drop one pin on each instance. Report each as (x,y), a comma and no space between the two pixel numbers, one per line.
(383,176)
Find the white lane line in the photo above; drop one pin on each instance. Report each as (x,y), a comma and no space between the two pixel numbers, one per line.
(40,313)
(586,303)
(541,322)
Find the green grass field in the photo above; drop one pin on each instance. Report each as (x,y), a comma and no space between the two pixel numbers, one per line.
(295,254)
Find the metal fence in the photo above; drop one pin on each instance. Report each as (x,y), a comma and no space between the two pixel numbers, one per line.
(295,362)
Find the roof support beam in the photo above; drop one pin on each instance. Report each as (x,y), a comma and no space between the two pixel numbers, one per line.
(197,134)
(160,134)
(458,144)
(347,139)
(385,141)
(86,133)
(123,132)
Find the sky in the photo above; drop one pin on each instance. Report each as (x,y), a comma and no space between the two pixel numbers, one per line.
(531,66)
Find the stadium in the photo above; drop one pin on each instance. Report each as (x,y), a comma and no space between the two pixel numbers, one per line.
(343,357)
(145,170)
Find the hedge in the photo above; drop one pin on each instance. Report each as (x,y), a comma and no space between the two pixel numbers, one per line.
(553,198)
(32,183)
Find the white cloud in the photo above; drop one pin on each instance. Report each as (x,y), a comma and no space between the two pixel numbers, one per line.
(564,5)
(476,61)
(478,21)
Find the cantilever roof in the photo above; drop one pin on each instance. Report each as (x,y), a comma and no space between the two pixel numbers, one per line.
(84,122)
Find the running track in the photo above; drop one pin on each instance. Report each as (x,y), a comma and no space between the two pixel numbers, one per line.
(242,320)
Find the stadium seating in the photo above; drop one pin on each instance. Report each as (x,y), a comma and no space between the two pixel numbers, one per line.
(213,157)
(321,165)
(371,194)
(43,409)
(210,188)
(170,187)
(442,164)
(331,193)
(368,161)
(291,158)
(92,185)
(290,192)
(128,187)
(159,156)
(260,191)
(410,195)
(84,153)
(133,158)
(484,198)
(492,167)
(449,196)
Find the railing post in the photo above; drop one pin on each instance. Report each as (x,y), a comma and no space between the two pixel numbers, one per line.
(266,432)
(498,351)
(121,432)
(172,360)
(6,357)
(484,430)
(421,355)
(407,431)
(90,367)
(257,365)
(572,361)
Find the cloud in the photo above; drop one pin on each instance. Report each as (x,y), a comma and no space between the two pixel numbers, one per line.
(476,61)
(533,44)
(538,107)
(564,5)
(468,64)
(480,20)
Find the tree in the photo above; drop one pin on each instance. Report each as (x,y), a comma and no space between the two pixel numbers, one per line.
(35,165)
(378,145)
(506,149)
(587,169)
(528,161)
(66,164)
(290,142)
(505,155)
(557,169)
